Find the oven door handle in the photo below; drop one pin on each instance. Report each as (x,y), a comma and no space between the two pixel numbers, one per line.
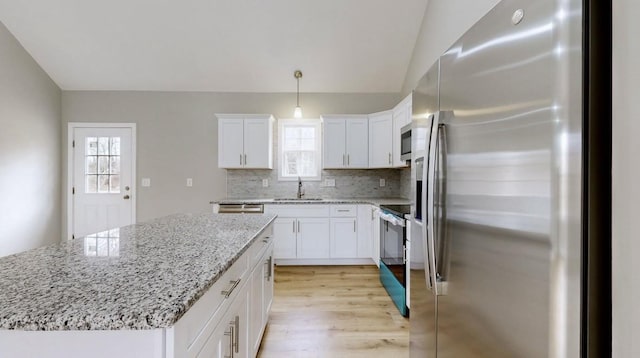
(394,220)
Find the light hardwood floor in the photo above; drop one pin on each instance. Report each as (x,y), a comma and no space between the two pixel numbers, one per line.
(333,311)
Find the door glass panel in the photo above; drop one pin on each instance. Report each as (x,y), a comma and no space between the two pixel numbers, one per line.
(115,165)
(91,184)
(92,165)
(114,183)
(103,146)
(102,165)
(103,183)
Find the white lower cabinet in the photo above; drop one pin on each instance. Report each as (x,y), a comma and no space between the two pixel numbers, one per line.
(365,233)
(285,237)
(260,300)
(230,319)
(375,228)
(344,238)
(230,338)
(318,234)
(313,238)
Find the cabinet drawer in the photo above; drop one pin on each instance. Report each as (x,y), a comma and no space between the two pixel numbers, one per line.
(192,330)
(344,211)
(256,251)
(299,211)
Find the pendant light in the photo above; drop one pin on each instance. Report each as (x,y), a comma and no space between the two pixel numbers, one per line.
(297,112)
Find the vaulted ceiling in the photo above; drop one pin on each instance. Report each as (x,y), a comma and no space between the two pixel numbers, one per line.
(341,46)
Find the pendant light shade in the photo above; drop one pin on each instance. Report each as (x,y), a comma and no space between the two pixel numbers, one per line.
(297,112)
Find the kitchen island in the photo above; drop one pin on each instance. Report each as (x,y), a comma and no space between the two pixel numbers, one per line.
(154,289)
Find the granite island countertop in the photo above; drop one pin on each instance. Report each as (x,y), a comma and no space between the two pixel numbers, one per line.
(281,201)
(142,276)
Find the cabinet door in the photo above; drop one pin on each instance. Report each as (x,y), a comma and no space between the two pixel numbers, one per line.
(313,238)
(284,235)
(219,343)
(380,143)
(240,320)
(230,143)
(268,286)
(258,134)
(375,227)
(357,142)
(401,117)
(344,238)
(334,136)
(256,314)
(365,237)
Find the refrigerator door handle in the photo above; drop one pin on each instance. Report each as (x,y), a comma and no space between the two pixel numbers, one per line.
(440,243)
(428,206)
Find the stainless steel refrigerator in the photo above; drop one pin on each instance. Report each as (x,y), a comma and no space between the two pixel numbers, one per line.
(512,255)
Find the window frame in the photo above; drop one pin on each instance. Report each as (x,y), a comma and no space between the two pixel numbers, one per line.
(317,124)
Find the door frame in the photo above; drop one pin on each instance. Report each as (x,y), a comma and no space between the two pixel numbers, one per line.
(70,167)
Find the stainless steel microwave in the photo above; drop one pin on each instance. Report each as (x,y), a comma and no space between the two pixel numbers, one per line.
(405,142)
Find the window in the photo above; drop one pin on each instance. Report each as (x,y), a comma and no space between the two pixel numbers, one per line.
(299,149)
(102,165)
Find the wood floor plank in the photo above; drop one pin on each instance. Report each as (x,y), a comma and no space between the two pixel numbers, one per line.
(333,311)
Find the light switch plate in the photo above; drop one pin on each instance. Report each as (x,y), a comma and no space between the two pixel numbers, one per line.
(330,182)
(265,183)
(146,182)
(383,182)
(189,182)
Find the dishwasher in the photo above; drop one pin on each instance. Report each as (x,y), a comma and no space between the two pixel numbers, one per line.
(240,208)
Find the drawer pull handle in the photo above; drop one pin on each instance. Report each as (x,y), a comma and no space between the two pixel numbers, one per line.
(343,210)
(233,287)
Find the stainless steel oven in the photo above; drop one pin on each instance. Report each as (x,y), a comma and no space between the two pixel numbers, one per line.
(393,254)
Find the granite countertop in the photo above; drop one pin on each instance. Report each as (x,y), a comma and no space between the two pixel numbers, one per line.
(372,201)
(142,276)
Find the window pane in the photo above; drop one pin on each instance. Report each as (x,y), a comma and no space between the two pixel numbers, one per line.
(299,150)
(92,145)
(103,165)
(115,146)
(308,144)
(91,163)
(103,183)
(114,183)
(114,165)
(91,184)
(103,146)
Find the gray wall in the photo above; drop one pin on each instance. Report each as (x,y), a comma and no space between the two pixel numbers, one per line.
(29,151)
(626,171)
(444,22)
(177,135)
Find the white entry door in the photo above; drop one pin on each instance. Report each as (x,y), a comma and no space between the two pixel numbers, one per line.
(103,179)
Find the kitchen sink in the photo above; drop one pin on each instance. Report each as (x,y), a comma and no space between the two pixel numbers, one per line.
(298,199)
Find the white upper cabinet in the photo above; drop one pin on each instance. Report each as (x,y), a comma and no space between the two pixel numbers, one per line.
(245,141)
(401,117)
(345,141)
(380,140)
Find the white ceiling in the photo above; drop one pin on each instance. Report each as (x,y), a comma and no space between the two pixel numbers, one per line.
(219,45)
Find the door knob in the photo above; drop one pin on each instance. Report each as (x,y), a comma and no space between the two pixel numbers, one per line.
(126,197)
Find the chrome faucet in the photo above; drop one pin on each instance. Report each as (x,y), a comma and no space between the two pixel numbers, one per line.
(300,193)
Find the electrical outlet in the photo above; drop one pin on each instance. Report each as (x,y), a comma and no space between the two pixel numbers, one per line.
(265,183)
(330,182)
(189,182)
(146,182)
(383,182)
